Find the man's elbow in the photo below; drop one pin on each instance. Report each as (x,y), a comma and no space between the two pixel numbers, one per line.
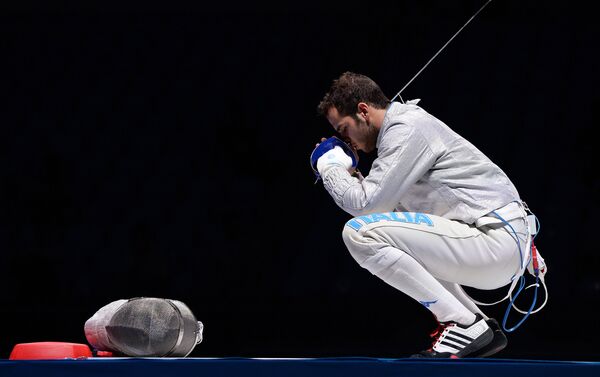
(362,205)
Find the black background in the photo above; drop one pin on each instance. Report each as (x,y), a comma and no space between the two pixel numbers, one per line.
(163,151)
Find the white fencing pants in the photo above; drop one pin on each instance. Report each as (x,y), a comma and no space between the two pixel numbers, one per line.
(427,257)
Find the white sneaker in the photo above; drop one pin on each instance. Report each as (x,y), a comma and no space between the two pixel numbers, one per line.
(453,340)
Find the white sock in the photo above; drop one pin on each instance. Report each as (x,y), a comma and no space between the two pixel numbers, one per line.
(460,294)
(404,273)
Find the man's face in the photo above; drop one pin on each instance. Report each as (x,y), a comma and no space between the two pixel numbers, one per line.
(355,131)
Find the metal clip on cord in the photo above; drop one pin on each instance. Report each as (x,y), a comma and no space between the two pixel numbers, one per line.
(533,231)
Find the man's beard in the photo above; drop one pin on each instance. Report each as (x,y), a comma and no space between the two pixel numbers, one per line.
(370,137)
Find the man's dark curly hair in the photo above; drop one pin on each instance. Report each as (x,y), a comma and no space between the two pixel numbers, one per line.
(350,89)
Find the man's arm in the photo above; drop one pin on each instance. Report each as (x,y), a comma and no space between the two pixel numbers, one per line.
(403,157)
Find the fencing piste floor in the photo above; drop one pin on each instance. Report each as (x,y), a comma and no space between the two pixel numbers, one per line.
(309,367)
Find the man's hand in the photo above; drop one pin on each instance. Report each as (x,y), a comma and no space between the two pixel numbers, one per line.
(332,152)
(334,157)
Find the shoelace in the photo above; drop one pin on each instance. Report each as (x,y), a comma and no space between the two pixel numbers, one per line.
(437,333)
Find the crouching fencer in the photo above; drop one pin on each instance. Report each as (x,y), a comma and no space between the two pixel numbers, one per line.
(144,327)
(433,214)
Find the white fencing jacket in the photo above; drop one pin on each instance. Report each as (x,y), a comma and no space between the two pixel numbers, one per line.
(422,166)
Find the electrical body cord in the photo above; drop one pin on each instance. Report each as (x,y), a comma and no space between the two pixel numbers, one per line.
(532,232)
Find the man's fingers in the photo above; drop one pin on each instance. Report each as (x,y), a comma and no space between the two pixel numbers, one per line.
(322,140)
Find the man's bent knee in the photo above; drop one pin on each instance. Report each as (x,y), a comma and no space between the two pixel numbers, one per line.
(357,244)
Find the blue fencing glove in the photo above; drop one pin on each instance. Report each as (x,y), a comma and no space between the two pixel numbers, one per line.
(332,152)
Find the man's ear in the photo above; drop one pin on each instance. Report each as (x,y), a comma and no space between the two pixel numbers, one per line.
(363,110)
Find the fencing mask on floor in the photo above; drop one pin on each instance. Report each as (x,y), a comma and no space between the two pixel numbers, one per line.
(144,327)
